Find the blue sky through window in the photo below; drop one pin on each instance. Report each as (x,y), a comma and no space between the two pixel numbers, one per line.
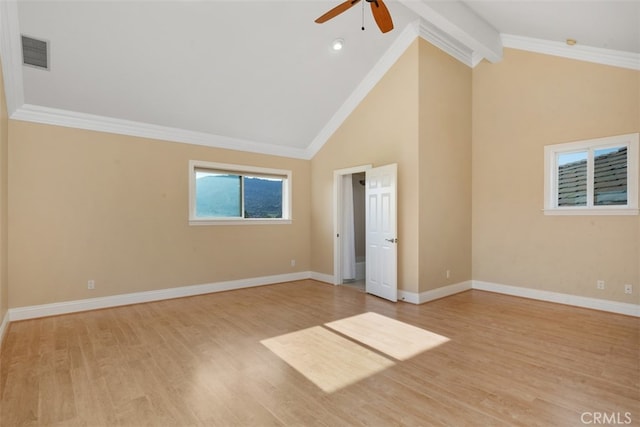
(566,158)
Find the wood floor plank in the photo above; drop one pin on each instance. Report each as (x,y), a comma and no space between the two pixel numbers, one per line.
(199,361)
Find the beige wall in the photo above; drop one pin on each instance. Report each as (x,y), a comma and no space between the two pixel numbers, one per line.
(519,105)
(4,146)
(89,205)
(419,116)
(445,169)
(383,129)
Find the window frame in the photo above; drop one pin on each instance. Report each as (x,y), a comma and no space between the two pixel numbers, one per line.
(551,153)
(244,171)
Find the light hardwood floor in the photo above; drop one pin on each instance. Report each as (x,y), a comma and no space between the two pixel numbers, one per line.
(206,361)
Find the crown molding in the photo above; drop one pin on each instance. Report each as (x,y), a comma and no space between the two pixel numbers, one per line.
(615,58)
(419,28)
(72,119)
(459,23)
(447,44)
(444,40)
(476,58)
(399,46)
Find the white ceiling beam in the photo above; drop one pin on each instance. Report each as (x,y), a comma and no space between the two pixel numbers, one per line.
(461,23)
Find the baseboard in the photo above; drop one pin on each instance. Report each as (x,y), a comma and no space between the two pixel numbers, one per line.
(574,300)
(361,271)
(3,327)
(433,294)
(410,297)
(556,297)
(321,277)
(32,312)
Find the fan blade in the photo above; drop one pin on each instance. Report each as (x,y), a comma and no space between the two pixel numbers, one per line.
(381,15)
(336,11)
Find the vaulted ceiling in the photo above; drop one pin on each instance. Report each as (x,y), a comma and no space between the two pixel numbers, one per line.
(260,75)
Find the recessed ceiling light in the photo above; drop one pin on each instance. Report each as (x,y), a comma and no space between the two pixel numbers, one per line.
(337,44)
(571,42)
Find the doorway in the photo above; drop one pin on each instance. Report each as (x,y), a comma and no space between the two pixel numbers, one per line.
(354,225)
(350,227)
(380,224)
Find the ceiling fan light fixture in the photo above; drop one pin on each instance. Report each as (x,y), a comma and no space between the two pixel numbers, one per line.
(379,10)
(337,44)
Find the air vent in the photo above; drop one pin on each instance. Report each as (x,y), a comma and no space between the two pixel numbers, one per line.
(35,52)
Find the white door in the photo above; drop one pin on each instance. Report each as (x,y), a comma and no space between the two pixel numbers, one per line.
(382,248)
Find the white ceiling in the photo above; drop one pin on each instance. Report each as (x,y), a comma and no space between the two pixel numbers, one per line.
(602,24)
(258,75)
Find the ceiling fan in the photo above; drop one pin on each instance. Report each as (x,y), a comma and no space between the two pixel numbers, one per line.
(378,9)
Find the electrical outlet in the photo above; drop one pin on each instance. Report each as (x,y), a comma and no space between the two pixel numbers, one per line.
(628,289)
(91,284)
(448,274)
(600,284)
(293,263)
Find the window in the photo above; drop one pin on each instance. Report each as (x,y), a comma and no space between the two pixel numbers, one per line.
(593,177)
(231,194)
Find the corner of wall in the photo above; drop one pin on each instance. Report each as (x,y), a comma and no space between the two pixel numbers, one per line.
(4,325)
(445,170)
(4,152)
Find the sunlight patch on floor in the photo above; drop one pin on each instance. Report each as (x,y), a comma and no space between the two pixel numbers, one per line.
(389,336)
(325,358)
(332,362)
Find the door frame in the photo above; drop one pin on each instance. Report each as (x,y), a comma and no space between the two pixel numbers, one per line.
(337,217)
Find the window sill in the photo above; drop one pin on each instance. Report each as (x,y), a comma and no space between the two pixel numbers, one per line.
(591,211)
(198,222)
